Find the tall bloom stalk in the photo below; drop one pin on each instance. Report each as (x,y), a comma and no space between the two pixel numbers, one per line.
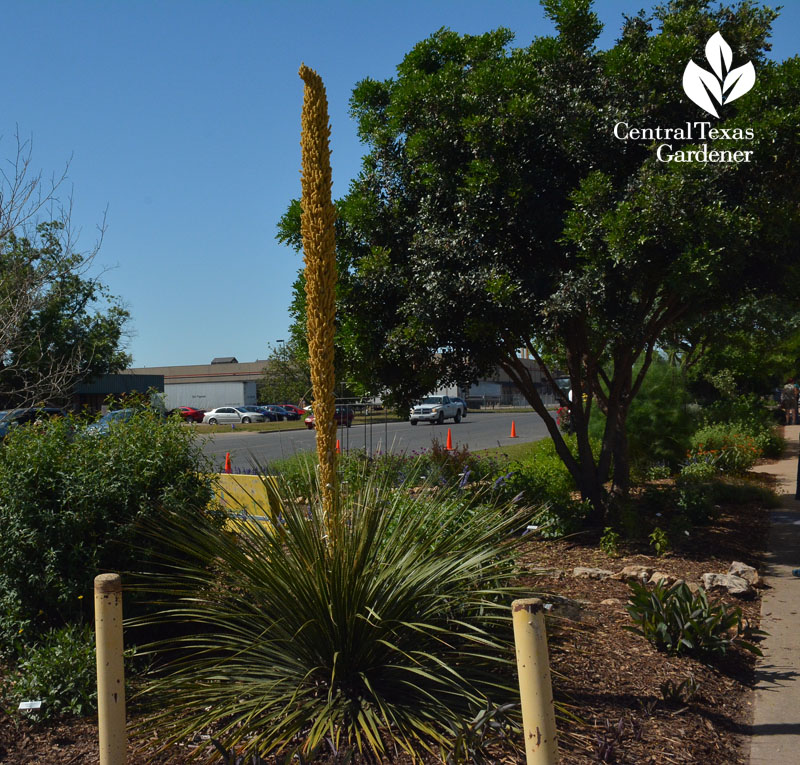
(319,245)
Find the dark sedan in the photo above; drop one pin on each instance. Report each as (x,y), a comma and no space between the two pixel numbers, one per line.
(280,412)
(15,417)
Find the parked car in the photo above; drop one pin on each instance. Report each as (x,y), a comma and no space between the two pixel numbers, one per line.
(462,403)
(114,417)
(343,415)
(268,416)
(189,413)
(227,415)
(296,409)
(282,412)
(12,418)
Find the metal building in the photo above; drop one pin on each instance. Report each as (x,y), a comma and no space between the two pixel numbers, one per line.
(223,382)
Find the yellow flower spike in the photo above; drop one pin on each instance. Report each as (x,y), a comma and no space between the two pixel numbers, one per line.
(319,246)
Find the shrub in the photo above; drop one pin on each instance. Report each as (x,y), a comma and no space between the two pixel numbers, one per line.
(678,622)
(679,693)
(659,541)
(388,626)
(699,467)
(542,479)
(73,505)
(731,449)
(436,465)
(658,472)
(60,672)
(609,542)
(749,415)
(659,421)
(696,501)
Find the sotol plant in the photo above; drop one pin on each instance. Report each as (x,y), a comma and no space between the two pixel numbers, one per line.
(388,629)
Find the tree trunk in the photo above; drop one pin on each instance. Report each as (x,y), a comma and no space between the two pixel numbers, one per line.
(583,470)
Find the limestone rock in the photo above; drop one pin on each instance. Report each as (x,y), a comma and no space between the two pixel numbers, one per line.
(748,573)
(610,602)
(735,585)
(554,573)
(634,573)
(662,578)
(582,572)
(568,608)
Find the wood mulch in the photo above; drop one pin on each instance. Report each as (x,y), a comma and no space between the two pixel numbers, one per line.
(607,677)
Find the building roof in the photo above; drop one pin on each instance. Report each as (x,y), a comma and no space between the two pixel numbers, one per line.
(215,372)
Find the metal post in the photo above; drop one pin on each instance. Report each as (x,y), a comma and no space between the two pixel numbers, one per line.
(535,689)
(110,669)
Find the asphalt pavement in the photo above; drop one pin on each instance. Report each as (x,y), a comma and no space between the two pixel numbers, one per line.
(481,430)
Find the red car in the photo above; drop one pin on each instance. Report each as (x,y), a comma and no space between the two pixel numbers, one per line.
(296,409)
(343,416)
(189,413)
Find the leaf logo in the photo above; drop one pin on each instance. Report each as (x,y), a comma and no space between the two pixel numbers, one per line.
(723,84)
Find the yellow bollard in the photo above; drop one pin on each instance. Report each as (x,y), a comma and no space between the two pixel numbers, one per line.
(535,688)
(110,669)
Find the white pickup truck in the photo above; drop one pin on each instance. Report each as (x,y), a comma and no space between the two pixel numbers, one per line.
(436,409)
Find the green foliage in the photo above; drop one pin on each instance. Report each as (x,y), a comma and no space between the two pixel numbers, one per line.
(731,450)
(678,622)
(74,504)
(751,416)
(609,542)
(577,245)
(435,465)
(287,374)
(659,541)
(660,422)
(542,480)
(750,349)
(699,467)
(58,325)
(60,672)
(696,500)
(679,693)
(388,628)
(739,492)
(657,472)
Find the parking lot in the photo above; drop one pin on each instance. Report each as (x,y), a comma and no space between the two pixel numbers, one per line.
(480,430)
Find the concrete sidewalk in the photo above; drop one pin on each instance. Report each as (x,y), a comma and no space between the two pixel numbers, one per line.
(776,711)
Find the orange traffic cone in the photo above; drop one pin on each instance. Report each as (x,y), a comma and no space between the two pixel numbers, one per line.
(228,462)
(513,430)
(449,445)
(338,448)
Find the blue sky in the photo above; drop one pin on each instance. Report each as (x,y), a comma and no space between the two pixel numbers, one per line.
(182,120)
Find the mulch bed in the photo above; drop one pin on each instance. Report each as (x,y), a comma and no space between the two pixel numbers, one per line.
(608,677)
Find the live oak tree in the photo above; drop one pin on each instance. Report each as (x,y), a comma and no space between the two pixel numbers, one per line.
(496,210)
(58,324)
